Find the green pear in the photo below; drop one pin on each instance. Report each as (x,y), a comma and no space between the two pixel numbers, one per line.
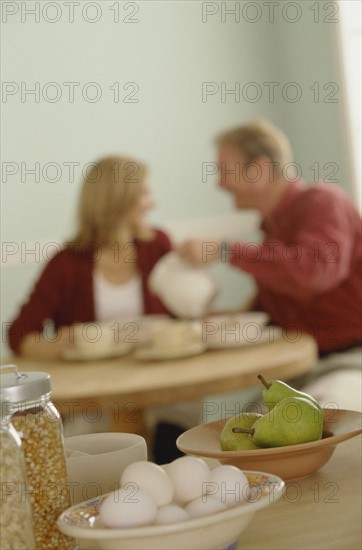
(231,441)
(276,390)
(293,420)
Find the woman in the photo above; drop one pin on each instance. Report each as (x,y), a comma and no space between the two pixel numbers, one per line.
(101,274)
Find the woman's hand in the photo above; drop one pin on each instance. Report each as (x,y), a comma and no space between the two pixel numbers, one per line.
(198,253)
(39,346)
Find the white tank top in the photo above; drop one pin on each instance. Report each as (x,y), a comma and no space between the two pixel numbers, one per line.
(114,302)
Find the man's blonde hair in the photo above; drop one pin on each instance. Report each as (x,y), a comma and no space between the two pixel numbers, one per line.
(258,138)
(110,191)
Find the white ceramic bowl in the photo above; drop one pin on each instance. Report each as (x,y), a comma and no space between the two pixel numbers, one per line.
(216,531)
(96,461)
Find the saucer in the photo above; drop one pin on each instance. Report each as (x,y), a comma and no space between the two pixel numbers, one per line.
(151,353)
(97,353)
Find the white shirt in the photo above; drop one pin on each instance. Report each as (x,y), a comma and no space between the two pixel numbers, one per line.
(112,301)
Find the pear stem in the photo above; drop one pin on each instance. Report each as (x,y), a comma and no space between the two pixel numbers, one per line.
(249,431)
(264,382)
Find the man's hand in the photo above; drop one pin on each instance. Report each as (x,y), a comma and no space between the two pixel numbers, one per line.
(199,253)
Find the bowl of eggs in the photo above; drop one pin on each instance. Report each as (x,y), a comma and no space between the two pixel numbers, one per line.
(189,503)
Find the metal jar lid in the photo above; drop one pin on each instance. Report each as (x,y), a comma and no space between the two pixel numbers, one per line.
(23,386)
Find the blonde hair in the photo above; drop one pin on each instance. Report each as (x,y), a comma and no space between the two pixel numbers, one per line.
(111,189)
(258,138)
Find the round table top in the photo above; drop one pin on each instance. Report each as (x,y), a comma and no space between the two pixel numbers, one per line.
(160,382)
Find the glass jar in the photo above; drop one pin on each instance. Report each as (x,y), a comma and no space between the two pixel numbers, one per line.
(39,425)
(16,523)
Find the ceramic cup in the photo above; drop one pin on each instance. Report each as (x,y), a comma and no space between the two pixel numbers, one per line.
(174,334)
(185,290)
(247,327)
(94,337)
(95,462)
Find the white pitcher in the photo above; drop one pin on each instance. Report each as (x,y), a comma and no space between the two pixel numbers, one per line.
(186,291)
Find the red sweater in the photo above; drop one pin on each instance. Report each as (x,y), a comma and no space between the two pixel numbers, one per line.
(64,291)
(308,269)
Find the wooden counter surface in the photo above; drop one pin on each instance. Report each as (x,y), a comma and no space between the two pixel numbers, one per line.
(320,512)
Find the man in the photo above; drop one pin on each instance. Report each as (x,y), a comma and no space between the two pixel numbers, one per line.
(308,268)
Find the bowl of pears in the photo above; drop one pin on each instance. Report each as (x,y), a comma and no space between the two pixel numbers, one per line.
(294,438)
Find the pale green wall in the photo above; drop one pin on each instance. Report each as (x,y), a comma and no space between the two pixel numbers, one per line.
(307,55)
(168,53)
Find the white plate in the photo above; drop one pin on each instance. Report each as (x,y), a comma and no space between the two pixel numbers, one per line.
(96,353)
(268,335)
(150,353)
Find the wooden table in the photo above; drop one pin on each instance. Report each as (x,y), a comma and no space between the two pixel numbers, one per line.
(126,386)
(320,512)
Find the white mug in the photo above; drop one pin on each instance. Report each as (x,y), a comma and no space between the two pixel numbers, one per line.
(186,291)
(94,337)
(175,333)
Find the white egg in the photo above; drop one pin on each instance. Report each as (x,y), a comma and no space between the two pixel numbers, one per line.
(189,476)
(171,514)
(204,506)
(128,507)
(228,484)
(153,478)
